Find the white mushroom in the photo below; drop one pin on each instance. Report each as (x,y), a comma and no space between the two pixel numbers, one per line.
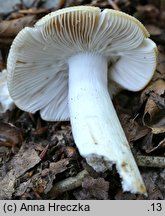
(63,67)
(6,103)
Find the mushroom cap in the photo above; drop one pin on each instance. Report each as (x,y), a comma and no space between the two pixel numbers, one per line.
(37,62)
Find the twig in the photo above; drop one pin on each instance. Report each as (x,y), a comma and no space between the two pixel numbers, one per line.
(68,184)
(150,161)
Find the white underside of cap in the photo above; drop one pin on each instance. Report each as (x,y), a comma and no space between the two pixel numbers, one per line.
(6,103)
(135,68)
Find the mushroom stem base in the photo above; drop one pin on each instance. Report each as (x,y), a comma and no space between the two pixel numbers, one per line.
(95,125)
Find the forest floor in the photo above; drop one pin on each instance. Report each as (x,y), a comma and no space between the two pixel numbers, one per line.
(39,159)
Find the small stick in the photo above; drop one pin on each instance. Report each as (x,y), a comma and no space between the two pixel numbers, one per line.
(68,184)
(150,161)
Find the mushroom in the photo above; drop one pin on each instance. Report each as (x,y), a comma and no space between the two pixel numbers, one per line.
(70,64)
(6,103)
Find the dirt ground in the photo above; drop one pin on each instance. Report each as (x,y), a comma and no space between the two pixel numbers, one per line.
(39,159)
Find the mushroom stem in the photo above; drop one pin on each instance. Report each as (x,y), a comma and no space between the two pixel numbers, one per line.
(95,125)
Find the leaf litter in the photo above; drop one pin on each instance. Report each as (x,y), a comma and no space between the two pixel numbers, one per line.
(39,160)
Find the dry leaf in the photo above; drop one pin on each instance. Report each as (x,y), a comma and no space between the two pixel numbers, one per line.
(132,129)
(70,152)
(160,69)
(153,30)
(34,11)
(25,159)
(152,108)
(23,187)
(10,135)
(130,126)
(147,144)
(93,189)
(148,12)
(151,179)
(10,28)
(58,167)
(40,131)
(159,130)
(7,185)
(55,168)
(142,132)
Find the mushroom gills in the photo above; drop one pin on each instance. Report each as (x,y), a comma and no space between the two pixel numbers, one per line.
(6,102)
(96,128)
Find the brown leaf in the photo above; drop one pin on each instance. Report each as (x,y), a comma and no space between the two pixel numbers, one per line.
(142,132)
(158,87)
(23,187)
(58,167)
(130,126)
(153,30)
(151,109)
(10,135)
(40,131)
(7,185)
(70,152)
(26,158)
(10,28)
(146,143)
(147,13)
(160,69)
(155,94)
(160,101)
(158,130)
(34,11)
(93,189)
(132,129)
(151,179)
(55,168)
(14,15)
